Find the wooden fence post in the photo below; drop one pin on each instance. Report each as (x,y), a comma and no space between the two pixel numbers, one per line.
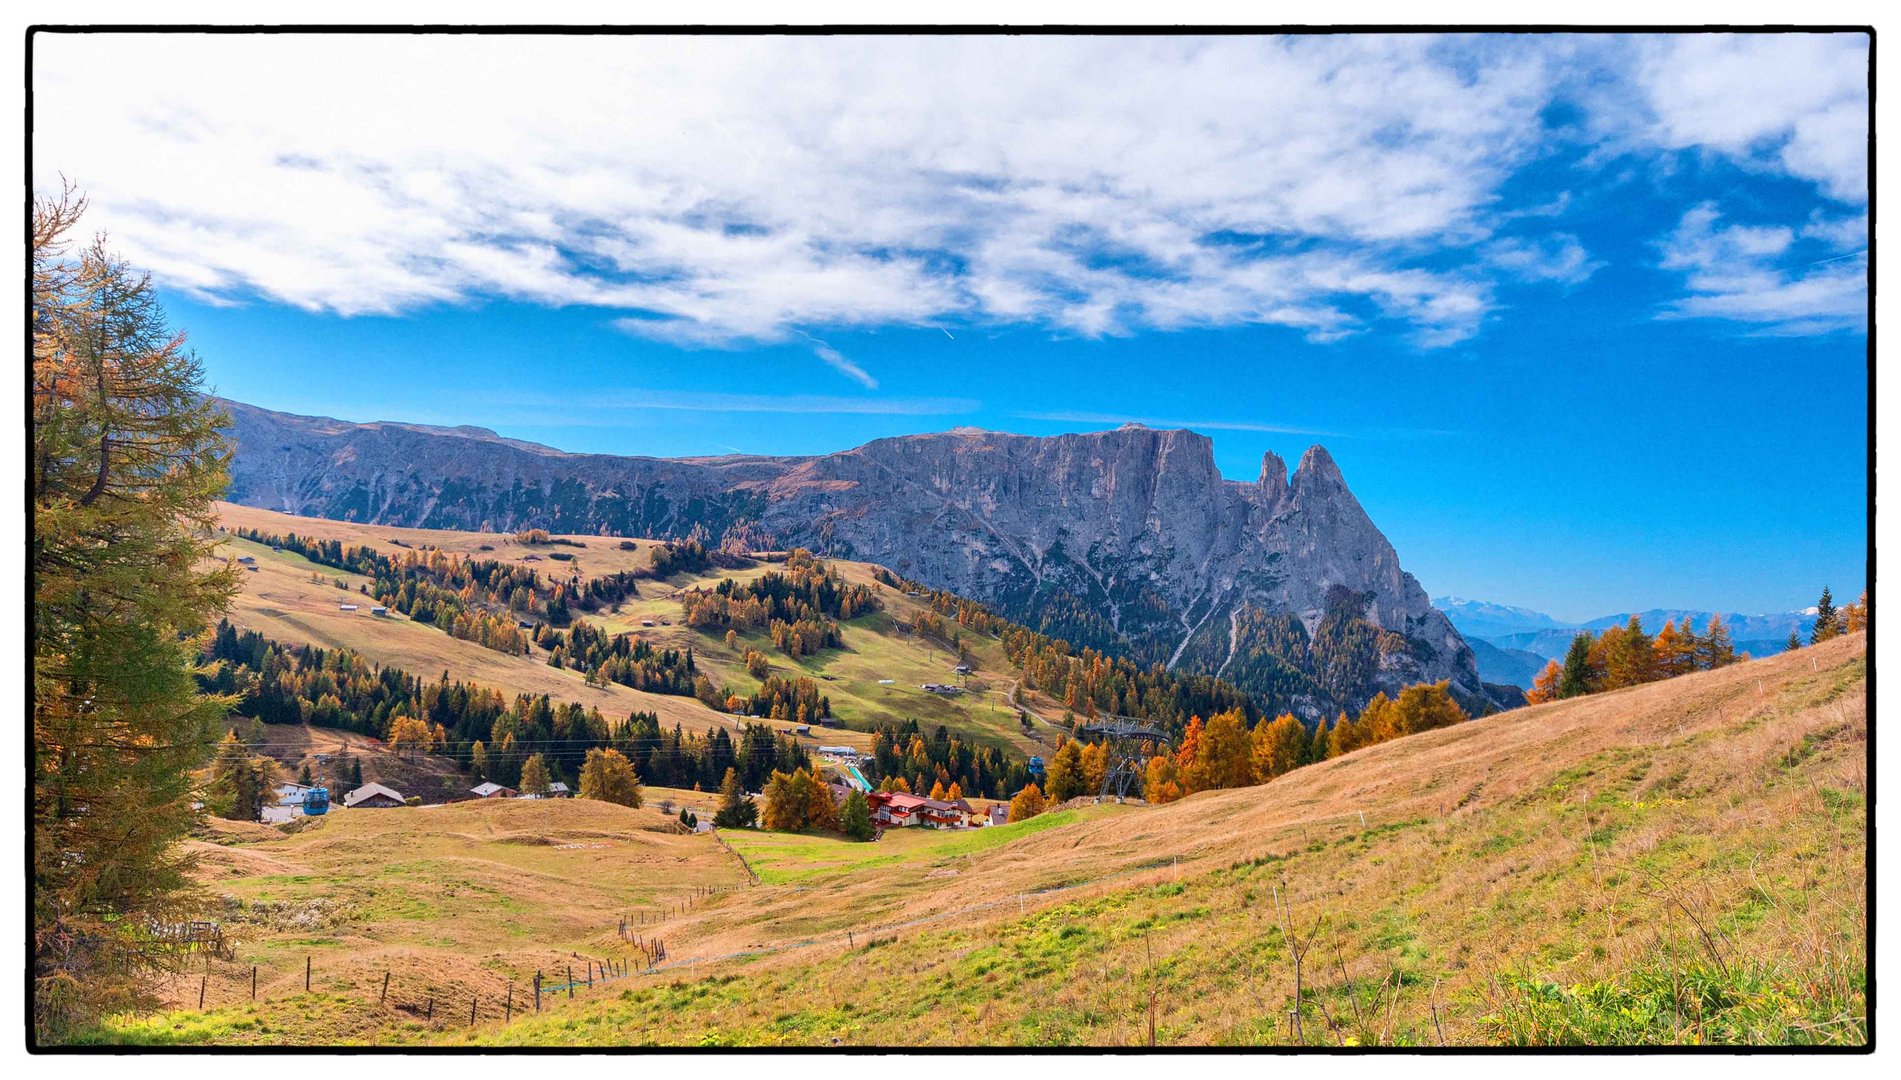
(253,982)
(431,1016)
(570,982)
(508,1013)
(306,974)
(472,1000)
(384,996)
(202,980)
(537,991)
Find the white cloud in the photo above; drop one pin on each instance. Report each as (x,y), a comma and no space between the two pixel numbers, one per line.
(1795,102)
(730,190)
(1558,257)
(1744,273)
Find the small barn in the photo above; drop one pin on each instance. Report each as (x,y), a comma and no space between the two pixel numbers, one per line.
(380,610)
(493,790)
(346,607)
(373,795)
(559,790)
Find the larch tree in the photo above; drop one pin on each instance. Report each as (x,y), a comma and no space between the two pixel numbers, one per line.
(534,776)
(126,459)
(1714,648)
(608,776)
(1276,747)
(1027,804)
(1545,687)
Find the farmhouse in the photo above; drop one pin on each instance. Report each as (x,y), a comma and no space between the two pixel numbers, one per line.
(380,610)
(999,814)
(346,607)
(896,810)
(493,790)
(559,790)
(373,795)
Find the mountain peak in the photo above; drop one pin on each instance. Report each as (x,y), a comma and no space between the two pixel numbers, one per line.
(1317,466)
(1273,471)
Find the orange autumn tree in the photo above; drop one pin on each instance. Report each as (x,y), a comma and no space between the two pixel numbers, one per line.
(1277,747)
(1545,687)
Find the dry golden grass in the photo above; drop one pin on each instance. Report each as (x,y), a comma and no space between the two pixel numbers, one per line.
(454,901)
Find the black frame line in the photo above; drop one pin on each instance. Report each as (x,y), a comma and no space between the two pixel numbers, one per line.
(979,30)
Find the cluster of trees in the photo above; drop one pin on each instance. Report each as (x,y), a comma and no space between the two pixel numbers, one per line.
(1832,622)
(125,460)
(618,658)
(1086,681)
(902,754)
(804,637)
(795,700)
(1629,656)
(797,801)
(687,556)
(478,727)
(797,604)
(1225,752)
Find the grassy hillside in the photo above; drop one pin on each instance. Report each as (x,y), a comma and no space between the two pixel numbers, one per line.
(875,678)
(1678,862)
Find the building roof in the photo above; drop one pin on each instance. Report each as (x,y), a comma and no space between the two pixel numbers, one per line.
(487,789)
(370,791)
(558,788)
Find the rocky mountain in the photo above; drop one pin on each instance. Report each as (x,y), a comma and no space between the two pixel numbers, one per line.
(1129,541)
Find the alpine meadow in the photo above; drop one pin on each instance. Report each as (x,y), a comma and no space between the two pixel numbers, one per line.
(1319,542)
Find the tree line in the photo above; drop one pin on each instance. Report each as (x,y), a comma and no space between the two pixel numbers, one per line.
(481,730)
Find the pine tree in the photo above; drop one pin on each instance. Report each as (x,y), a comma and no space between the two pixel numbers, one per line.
(736,811)
(1827,622)
(303,776)
(1576,677)
(854,819)
(356,774)
(1794,642)
(126,458)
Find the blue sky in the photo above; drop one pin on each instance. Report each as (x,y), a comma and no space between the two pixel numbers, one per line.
(1580,318)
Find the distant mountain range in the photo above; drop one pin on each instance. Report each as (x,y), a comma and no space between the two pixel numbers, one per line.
(1505,639)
